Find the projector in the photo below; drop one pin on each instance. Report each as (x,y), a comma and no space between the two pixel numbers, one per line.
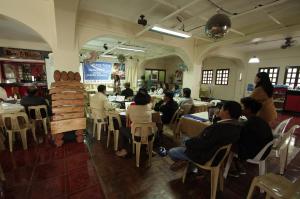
(142,21)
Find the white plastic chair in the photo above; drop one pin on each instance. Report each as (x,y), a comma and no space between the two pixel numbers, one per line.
(13,124)
(282,148)
(216,171)
(99,124)
(256,160)
(280,128)
(38,116)
(112,129)
(142,130)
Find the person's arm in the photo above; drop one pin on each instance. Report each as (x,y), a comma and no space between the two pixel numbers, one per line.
(205,140)
(106,103)
(259,94)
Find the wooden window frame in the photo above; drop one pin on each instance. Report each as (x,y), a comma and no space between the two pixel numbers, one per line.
(216,77)
(268,71)
(207,77)
(297,78)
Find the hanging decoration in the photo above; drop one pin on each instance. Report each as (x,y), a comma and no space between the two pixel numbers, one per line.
(217,26)
(182,67)
(121,58)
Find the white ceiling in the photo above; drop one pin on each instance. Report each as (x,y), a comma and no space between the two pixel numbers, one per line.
(248,20)
(151,50)
(13,30)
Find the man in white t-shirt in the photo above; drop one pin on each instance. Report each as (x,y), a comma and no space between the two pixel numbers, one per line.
(99,102)
(3,94)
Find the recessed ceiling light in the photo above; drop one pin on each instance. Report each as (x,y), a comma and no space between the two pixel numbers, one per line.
(176,33)
(109,56)
(256,40)
(130,49)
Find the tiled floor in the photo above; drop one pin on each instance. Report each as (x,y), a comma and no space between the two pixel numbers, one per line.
(121,179)
(45,171)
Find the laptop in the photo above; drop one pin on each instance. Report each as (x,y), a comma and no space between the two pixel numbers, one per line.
(112,98)
(120,98)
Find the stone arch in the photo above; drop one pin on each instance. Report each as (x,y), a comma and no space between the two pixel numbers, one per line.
(44,28)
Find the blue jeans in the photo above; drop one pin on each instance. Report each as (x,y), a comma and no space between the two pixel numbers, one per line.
(177,153)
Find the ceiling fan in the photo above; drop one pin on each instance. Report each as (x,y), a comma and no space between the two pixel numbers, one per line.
(288,43)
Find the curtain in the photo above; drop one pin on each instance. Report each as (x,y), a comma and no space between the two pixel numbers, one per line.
(131,72)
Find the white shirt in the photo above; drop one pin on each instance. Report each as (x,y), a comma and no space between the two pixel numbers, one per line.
(3,94)
(99,104)
(159,91)
(139,113)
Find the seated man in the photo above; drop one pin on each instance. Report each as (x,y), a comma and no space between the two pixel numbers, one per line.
(187,100)
(167,107)
(99,102)
(202,148)
(127,92)
(33,100)
(177,90)
(256,133)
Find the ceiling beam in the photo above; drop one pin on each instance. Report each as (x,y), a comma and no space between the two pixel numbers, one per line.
(150,26)
(282,30)
(198,16)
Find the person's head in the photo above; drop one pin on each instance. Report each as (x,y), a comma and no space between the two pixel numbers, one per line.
(142,97)
(186,92)
(32,91)
(102,89)
(160,85)
(230,110)
(168,96)
(166,86)
(176,86)
(143,77)
(117,78)
(262,79)
(250,106)
(127,85)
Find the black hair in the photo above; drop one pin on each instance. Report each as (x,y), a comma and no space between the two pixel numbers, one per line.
(176,86)
(252,104)
(169,94)
(186,92)
(142,97)
(101,88)
(117,78)
(167,86)
(234,109)
(143,77)
(265,83)
(127,84)
(32,91)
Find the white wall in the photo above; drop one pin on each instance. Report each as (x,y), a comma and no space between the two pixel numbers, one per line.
(165,63)
(274,58)
(225,92)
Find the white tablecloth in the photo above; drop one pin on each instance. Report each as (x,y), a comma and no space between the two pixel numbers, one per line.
(10,108)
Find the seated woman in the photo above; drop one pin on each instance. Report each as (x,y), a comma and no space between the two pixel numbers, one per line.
(138,112)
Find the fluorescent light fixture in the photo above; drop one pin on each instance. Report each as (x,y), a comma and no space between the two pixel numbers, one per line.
(109,56)
(254,60)
(130,49)
(171,32)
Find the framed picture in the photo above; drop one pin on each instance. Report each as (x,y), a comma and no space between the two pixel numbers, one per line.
(154,76)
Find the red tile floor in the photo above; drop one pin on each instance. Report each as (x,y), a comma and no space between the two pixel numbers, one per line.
(45,171)
(72,171)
